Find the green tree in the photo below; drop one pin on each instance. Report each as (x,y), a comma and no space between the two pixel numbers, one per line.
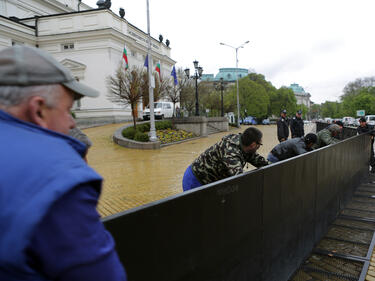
(315,111)
(269,88)
(253,98)
(209,98)
(284,99)
(355,87)
(332,109)
(364,100)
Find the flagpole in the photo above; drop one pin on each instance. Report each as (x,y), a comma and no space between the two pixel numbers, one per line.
(150,89)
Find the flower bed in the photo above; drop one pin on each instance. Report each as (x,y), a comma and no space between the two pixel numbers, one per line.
(170,135)
(164,132)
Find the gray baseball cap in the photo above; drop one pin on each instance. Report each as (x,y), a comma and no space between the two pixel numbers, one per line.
(28,66)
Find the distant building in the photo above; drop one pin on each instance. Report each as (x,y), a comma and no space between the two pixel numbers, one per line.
(208,77)
(90,42)
(228,74)
(301,96)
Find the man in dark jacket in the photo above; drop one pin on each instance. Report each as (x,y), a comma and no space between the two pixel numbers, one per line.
(282,127)
(297,126)
(363,128)
(291,148)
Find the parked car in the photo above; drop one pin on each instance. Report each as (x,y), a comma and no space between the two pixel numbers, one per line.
(249,120)
(266,121)
(348,121)
(161,110)
(328,120)
(370,119)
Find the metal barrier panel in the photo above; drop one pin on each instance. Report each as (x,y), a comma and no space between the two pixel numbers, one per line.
(288,211)
(256,226)
(347,132)
(212,233)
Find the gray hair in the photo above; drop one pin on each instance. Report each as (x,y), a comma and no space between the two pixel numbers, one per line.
(15,95)
(334,128)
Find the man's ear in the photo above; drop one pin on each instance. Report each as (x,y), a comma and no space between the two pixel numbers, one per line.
(37,111)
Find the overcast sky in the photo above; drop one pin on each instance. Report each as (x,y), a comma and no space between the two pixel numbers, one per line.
(321,45)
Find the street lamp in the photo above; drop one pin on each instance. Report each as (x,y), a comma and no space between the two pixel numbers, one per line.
(197,74)
(238,95)
(220,86)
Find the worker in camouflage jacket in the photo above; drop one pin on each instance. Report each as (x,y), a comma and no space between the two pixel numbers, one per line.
(327,136)
(225,159)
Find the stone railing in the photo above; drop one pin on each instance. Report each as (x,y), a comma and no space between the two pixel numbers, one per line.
(198,124)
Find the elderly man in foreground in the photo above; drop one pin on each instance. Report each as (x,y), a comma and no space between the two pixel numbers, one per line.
(50,229)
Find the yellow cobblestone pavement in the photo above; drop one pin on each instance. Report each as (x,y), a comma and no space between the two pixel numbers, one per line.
(135,177)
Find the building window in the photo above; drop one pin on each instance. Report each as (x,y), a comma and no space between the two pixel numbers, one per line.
(133,53)
(228,76)
(68,46)
(17,43)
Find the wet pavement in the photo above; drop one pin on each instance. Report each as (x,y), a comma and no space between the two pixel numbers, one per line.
(135,177)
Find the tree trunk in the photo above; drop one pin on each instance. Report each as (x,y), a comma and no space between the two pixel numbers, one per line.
(133,114)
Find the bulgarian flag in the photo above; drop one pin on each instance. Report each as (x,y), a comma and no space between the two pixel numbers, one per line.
(125,57)
(157,68)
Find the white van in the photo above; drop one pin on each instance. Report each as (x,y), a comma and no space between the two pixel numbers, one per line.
(348,121)
(162,109)
(370,120)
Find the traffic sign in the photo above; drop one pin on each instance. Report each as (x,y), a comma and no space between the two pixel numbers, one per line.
(360,112)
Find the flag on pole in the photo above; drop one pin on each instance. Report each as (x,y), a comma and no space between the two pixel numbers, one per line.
(125,57)
(157,69)
(146,61)
(174,74)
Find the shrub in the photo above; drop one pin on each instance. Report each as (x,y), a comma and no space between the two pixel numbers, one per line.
(139,136)
(163,125)
(145,127)
(129,133)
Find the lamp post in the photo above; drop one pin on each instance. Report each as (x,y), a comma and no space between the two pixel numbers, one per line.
(238,94)
(150,86)
(220,86)
(197,74)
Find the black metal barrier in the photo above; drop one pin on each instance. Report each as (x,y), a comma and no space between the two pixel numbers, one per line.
(347,132)
(256,226)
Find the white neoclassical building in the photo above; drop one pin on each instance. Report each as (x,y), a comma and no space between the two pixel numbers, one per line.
(89,42)
(300,94)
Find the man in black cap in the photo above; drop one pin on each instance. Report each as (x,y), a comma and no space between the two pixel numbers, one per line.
(293,147)
(364,128)
(282,127)
(50,228)
(297,126)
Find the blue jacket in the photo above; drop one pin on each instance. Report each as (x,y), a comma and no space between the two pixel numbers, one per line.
(37,167)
